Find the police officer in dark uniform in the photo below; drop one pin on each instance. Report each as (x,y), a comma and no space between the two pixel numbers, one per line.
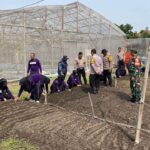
(62,67)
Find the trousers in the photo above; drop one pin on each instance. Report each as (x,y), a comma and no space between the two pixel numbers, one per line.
(81,73)
(107,75)
(94,82)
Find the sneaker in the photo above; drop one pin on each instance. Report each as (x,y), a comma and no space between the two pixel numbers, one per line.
(31,100)
(38,102)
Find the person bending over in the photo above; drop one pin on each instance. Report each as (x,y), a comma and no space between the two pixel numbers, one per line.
(34,85)
(59,85)
(73,80)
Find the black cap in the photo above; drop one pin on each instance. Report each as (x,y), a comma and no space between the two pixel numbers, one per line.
(65,57)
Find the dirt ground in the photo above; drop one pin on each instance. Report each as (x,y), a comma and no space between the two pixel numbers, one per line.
(52,128)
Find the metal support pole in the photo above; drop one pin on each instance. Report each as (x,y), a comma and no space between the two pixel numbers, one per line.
(109,45)
(77,17)
(24,44)
(141,107)
(62,29)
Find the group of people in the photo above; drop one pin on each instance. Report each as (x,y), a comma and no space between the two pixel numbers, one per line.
(37,84)
(130,63)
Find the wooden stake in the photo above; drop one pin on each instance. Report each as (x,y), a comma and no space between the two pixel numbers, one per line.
(141,107)
(91,102)
(45,92)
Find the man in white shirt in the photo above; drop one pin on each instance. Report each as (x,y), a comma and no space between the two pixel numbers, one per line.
(80,66)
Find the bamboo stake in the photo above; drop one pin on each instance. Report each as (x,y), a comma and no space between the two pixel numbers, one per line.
(91,102)
(45,94)
(141,107)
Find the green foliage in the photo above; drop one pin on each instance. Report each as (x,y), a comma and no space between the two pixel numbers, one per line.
(128,30)
(16,144)
(15,88)
(145,34)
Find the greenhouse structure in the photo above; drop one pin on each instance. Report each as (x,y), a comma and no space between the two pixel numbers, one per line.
(51,32)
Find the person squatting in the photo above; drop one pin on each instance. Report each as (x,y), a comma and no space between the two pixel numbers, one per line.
(100,70)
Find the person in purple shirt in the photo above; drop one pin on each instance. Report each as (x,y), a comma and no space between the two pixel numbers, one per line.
(34,65)
(59,85)
(34,85)
(73,80)
(5,93)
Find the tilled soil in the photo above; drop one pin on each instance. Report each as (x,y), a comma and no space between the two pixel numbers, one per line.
(53,128)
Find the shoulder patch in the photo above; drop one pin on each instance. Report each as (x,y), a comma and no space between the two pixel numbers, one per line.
(92,60)
(110,58)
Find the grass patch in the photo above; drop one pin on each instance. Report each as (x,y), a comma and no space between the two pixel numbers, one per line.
(16,144)
(15,89)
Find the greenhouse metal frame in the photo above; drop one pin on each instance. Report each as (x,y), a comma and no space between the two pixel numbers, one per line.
(51,32)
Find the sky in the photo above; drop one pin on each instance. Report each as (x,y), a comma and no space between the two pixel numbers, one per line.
(134,12)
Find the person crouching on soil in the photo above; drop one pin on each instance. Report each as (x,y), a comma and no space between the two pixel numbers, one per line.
(73,80)
(135,76)
(34,85)
(5,93)
(96,69)
(59,85)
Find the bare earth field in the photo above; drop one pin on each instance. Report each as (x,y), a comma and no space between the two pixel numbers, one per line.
(53,128)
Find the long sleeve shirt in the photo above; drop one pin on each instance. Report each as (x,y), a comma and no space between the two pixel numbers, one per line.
(62,68)
(96,64)
(60,86)
(31,80)
(6,93)
(34,66)
(107,62)
(20,90)
(73,79)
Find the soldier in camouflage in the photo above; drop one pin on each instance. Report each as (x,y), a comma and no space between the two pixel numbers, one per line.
(135,76)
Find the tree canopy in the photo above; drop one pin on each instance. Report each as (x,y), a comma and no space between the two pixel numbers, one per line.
(128,30)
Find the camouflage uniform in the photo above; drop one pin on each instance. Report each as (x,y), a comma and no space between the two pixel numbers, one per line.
(135,77)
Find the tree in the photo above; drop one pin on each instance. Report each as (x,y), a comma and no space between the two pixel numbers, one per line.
(145,33)
(127,29)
